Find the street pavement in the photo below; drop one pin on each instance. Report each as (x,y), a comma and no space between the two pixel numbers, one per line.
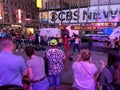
(67,76)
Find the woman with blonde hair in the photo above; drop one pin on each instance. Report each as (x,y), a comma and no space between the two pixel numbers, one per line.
(85,71)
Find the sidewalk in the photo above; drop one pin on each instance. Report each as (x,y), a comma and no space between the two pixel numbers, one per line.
(67,77)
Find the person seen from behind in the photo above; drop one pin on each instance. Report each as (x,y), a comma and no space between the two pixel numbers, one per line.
(36,70)
(85,71)
(110,75)
(56,59)
(77,43)
(12,66)
(18,42)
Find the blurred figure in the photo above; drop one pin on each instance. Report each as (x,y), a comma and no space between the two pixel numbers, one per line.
(77,43)
(31,42)
(3,34)
(110,75)
(36,38)
(56,59)
(66,40)
(60,42)
(108,43)
(90,42)
(36,70)
(116,43)
(18,42)
(12,66)
(85,72)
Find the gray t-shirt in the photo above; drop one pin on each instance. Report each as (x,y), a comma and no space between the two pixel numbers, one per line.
(37,65)
(106,76)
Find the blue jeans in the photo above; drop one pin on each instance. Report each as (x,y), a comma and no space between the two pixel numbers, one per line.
(42,85)
(76,46)
(54,80)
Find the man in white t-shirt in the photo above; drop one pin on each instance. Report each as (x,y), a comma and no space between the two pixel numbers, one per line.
(77,43)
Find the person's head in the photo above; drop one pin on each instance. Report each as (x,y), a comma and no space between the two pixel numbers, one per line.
(6,44)
(29,50)
(53,43)
(112,59)
(85,55)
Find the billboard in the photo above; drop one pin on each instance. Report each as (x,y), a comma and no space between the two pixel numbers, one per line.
(102,13)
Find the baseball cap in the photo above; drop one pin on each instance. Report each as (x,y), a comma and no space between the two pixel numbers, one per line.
(53,42)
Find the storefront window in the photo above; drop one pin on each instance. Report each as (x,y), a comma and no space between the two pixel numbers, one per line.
(115,1)
(93,2)
(104,2)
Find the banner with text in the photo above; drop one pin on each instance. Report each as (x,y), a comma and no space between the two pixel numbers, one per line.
(92,14)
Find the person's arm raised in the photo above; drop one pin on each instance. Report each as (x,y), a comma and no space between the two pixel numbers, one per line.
(97,74)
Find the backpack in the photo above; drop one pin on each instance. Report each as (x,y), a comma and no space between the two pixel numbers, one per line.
(46,64)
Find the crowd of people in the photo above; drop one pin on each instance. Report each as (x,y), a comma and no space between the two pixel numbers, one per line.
(113,43)
(44,73)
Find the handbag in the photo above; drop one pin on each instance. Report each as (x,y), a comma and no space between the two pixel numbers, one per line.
(26,81)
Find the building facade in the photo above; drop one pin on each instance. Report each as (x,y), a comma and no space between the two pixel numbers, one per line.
(18,13)
(102,12)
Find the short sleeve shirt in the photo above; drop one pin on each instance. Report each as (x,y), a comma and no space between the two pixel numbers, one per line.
(11,68)
(37,65)
(83,75)
(55,57)
(106,76)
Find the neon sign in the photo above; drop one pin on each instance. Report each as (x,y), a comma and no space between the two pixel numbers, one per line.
(19,16)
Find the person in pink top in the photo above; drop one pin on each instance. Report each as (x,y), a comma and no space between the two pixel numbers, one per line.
(77,43)
(31,39)
(84,71)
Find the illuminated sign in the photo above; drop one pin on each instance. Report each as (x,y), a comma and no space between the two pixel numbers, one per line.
(30,30)
(44,17)
(0,11)
(104,13)
(19,16)
(39,3)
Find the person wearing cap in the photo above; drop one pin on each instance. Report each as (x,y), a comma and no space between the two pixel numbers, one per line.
(56,58)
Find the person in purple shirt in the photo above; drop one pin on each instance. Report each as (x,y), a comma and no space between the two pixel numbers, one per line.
(12,67)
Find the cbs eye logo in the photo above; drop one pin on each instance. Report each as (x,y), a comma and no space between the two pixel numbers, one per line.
(53,16)
(64,16)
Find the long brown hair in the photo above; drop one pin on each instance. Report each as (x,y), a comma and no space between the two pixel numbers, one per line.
(117,73)
(114,60)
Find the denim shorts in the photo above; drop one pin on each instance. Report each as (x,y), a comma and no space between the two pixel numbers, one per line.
(42,85)
(54,80)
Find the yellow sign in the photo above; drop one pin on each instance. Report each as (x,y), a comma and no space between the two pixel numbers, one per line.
(39,3)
